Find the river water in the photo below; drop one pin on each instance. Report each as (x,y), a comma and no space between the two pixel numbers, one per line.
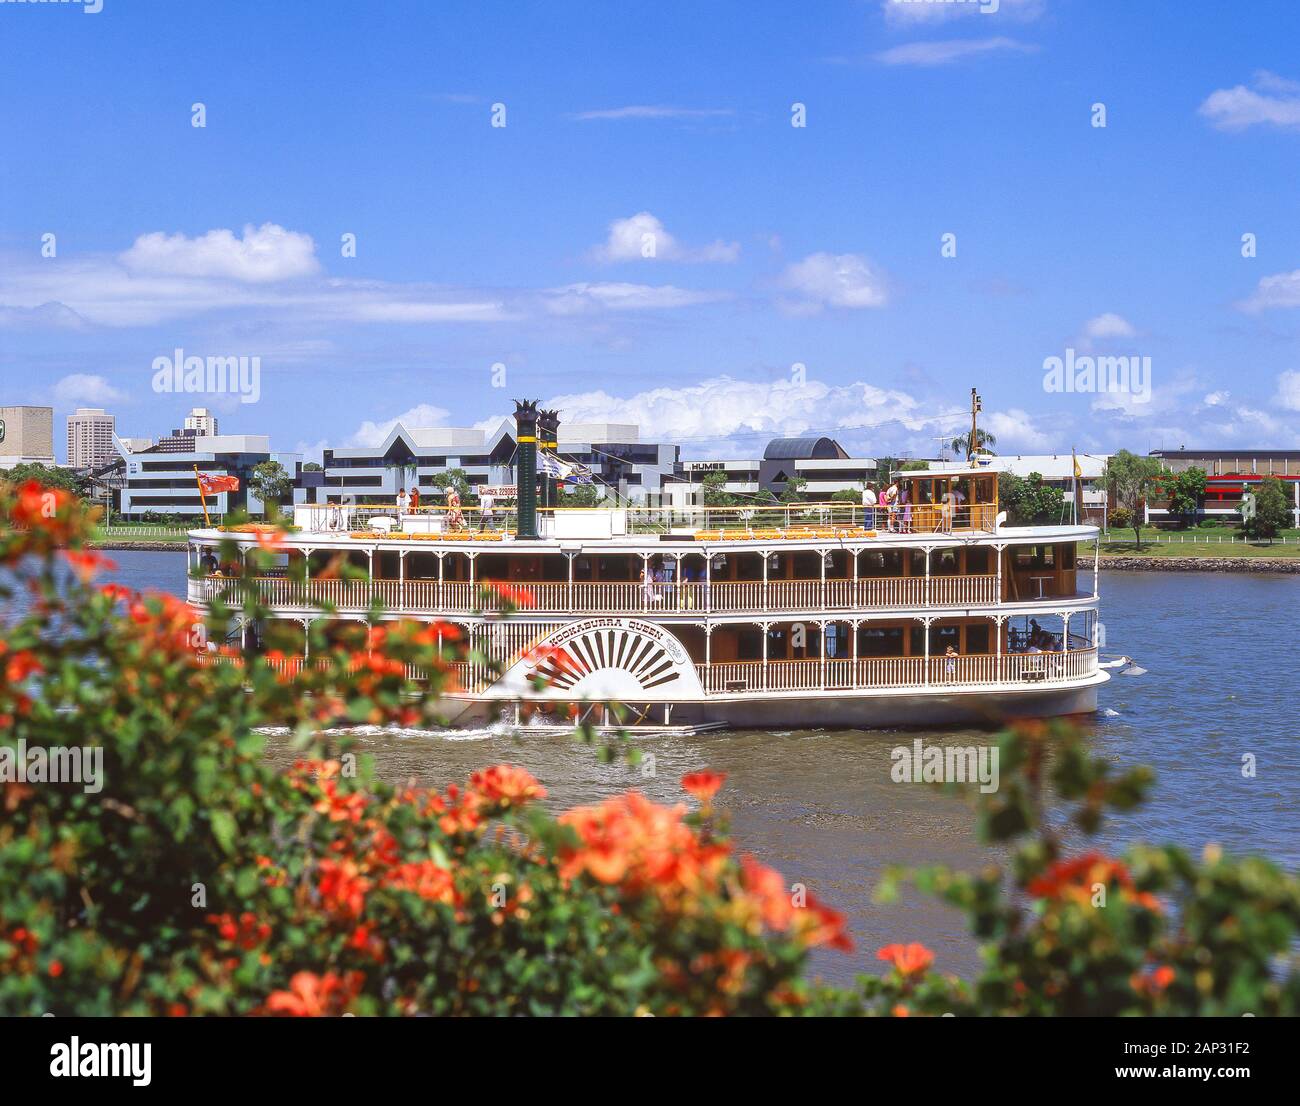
(1221,682)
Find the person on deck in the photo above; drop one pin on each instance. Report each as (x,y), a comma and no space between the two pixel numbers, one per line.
(485,504)
(455,520)
(403,500)
(415,499)
(868,507)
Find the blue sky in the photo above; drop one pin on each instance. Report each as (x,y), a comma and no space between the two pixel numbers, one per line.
(775,246)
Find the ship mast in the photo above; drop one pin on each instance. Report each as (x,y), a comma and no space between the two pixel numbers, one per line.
(976,405)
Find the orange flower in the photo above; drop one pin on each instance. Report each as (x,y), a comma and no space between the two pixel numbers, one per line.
(87,562)
(271,541)
(908,960)
(506,784)
(342,888)
(703,785)
(313,996)
(1074,881)
(21,665)
(518,597)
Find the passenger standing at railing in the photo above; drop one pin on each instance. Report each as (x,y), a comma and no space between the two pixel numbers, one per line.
(485,503)
(950,663)
(868,507)
(891,505)
(905,499)
(415,499)
(403,500)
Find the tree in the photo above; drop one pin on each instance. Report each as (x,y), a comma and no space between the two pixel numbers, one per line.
(914,466)
(50,476)
(582,495)
(983,439)
(1271,510)
(455,480)
(1029,501)
(713,486)
(1186,491)
(270,483)
(1129,478)
(312,466)
(793,490)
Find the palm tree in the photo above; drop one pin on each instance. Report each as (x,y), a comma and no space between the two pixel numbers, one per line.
(983,439)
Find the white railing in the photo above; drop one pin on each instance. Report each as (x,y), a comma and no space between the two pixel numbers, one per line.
(731,677)
(723,597)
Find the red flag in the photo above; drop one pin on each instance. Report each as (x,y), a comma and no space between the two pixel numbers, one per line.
(211,485)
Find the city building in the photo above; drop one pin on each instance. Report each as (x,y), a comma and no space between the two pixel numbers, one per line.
(163,481)
(822,463)
(621,464)
(26,436)
(1229,475)
(201,421)
(135,445)
(90,438)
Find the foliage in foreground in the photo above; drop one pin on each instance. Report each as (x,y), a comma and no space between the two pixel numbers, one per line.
(200,880)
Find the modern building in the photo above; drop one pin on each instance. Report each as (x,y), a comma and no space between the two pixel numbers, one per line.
(201,421)
(90,438)
(822,463)
(621,464)
(163,481)
(1230,473)
(26,436)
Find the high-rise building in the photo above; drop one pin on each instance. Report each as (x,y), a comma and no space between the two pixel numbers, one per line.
(90,438)
(26,435)
(201,421)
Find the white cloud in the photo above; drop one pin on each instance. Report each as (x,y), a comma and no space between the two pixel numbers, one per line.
(1278,290)
(1288,391)
(85,390)
(1274,101)
(949,50)
(265,253)
(835,280)
(576,299)
(642,237)
(1108,325)
(913,12)
(373,433)
(1015,431)
(654,111)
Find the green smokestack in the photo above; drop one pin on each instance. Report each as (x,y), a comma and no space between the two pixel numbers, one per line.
(548,438)
(526,437)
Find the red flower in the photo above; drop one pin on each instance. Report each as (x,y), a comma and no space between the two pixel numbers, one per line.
(271,541)
(703,785)
(506,784)
(518,597)
(911,959)
(314,996)
(87,562)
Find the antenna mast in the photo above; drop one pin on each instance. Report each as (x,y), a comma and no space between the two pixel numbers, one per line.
(976,406)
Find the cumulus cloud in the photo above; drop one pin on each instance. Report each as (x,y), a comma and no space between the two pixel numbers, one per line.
(947,51)
(1278,290)
(265,253)
(642,237)
(1288,391)
(1108,325)
(85,390)
(373,433)
(835,280)
(1272,101)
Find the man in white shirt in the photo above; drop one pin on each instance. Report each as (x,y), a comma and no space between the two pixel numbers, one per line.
(891,504)
(403,500)
(486,503)
(869,506)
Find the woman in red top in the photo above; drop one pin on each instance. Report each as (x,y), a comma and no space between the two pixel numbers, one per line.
(415,499)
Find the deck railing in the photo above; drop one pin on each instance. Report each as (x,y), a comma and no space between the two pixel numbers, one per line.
(723,597)
(834,674)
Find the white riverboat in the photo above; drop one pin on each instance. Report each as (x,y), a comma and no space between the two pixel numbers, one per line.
(806,615)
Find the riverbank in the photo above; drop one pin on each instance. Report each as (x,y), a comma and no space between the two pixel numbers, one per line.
(140,545)
(1199,563)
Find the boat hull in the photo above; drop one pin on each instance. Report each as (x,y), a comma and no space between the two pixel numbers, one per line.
(840,710)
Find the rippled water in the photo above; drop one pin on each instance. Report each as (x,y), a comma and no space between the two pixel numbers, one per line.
(819,805)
